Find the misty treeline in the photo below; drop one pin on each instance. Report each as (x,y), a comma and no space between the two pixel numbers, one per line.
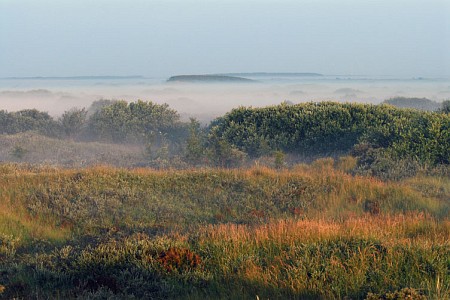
(377,134)
(105,121)
(417,103)
(385,139)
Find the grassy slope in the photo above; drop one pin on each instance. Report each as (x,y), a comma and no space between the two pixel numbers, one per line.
(312,231)
(39,149)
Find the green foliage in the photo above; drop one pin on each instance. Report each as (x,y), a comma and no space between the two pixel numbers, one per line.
(380,163)
(72,122)
(8,245)
(332,127)
(223,154)
(347,163)
(28,120)
(98,105)
(136,122)
(195,150)
(395,135)
(423,137)
(279,159)
(318,127)
(110,123)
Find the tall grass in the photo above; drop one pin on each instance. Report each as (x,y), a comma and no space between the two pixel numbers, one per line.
(316,258)
(312,231)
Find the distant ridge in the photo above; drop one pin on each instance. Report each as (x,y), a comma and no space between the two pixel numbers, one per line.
(75,77)
(266,74)
(208,78)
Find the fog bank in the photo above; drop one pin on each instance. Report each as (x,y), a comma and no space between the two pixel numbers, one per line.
(207,101)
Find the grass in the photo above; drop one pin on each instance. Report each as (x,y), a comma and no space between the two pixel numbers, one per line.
(30,147)
(311,231)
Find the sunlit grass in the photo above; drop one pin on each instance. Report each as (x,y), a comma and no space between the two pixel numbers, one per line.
(312,231)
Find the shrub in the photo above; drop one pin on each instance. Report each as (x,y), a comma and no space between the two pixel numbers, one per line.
(28,120)
(382,164)
(279,159)
(324,128)
(179,260)
(136,122)
(72,121)
(404,294)
(195,143)
(372,207)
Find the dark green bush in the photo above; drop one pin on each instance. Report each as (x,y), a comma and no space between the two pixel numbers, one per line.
(328,127)
(135,122)
(28,120)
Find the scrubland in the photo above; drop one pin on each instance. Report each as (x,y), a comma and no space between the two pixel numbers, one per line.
(229,210)
(312,231)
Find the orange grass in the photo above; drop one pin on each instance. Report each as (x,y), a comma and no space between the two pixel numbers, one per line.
(408,229)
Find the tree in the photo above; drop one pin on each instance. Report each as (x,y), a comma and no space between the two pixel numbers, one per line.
(222,154)
(111,122)
(194,143)
(72,121)
(98,105)
(29,120)
(137,122)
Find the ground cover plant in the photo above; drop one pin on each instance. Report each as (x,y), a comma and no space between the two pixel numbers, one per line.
(310,231)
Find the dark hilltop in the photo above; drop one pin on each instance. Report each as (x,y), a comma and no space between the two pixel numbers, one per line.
(209,79)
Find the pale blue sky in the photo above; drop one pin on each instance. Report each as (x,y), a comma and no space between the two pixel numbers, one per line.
(408,38)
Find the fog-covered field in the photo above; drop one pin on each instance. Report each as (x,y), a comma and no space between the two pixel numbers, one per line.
(209,100)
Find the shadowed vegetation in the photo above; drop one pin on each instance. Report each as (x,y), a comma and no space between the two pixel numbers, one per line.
(305,232)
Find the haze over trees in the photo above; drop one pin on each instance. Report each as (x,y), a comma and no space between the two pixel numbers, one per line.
(381,136)
(417,103)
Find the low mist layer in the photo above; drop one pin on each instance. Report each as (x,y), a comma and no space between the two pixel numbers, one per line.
(207,101)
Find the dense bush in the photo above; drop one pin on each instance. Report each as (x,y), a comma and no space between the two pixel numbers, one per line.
(111,121)
(328,127)
(72,122)
(27,120)
(136,122)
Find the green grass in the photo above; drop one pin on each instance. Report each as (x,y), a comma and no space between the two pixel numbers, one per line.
(307,232)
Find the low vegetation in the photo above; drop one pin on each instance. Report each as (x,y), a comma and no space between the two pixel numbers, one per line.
(29,147)
(230,210)
(312,231)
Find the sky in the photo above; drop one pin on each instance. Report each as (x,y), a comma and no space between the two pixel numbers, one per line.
(403,38)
